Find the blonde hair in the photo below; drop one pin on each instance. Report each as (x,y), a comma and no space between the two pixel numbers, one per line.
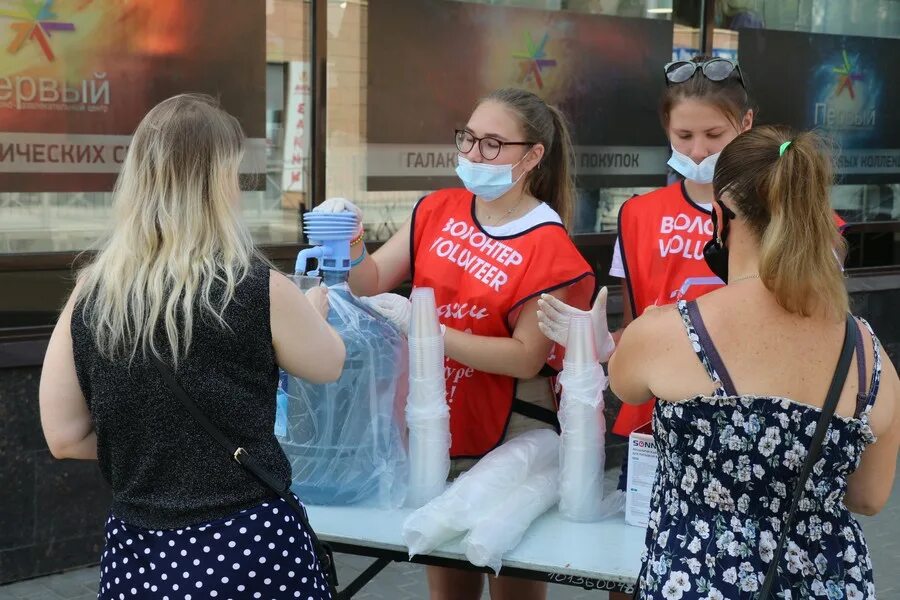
(785,199)
(177,243)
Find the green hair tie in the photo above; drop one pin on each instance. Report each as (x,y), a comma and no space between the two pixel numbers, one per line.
(783,147)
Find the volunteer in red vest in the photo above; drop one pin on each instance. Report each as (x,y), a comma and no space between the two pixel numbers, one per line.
(489,250)
(662,234)
(659,251)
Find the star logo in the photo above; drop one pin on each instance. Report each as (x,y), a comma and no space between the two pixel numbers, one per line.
(533,60)
(34,20)
(846,75)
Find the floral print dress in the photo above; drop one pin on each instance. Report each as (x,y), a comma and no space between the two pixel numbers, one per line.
(727,466)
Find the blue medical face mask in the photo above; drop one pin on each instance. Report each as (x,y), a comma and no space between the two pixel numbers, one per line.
(485,180)
(702,173)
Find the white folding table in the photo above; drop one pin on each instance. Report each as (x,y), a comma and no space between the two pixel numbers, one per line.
(595,556)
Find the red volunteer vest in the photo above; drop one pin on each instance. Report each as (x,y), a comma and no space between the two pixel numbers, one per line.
(662,235)
(480,285)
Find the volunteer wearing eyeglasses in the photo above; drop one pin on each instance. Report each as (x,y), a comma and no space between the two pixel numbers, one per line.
(489,250)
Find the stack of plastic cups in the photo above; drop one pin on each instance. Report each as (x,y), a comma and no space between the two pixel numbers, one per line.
(582,451)
(427,413)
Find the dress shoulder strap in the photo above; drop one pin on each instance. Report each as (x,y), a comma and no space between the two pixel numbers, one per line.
(705,349)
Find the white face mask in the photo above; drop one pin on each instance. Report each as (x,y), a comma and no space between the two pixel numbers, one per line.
(486,180)
(702,173)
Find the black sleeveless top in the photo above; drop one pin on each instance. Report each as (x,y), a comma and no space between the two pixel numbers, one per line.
(164,469)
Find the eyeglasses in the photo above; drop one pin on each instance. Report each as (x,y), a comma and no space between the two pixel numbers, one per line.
(716,69)
(488,146)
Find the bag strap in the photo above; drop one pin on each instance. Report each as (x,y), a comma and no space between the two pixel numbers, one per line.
(538,413)
(815,449)
(243,458)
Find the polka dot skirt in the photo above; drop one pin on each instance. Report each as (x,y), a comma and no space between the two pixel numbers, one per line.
(261,552)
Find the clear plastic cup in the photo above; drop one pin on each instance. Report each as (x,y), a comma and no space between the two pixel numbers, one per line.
(581,419)
(580,345)
(426,358)
(429,458)
(423,321)
(306,282)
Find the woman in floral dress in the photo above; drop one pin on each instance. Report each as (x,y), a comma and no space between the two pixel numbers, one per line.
(742,374)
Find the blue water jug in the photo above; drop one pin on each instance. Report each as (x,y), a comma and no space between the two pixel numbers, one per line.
(345,440)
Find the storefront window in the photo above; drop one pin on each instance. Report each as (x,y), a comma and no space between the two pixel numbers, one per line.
(399,82)
(348,39)
(68,107)
(66,111)
(288,124)
(840,60)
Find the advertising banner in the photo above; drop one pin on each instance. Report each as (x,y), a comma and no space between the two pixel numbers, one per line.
(76,77)
(430,61)
(844,86)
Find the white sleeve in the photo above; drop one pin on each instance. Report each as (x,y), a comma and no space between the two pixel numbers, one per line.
(617,267)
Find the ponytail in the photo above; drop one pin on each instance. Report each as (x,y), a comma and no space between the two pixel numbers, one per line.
(782,190)
(553,180)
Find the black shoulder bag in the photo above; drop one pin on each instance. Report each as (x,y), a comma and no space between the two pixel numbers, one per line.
(815,450)
(243,458)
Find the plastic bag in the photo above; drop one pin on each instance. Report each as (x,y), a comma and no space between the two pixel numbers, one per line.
(346,440)
(612,504)
(486,485)
(501,529)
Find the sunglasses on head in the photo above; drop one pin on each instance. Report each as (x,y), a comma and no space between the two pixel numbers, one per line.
(716,69)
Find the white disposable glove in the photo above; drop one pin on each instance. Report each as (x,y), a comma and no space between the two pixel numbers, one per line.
(393,307)
(336,205)
(554,316)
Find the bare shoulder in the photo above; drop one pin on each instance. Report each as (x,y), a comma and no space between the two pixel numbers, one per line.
(651,336)
(280,286)
(640,353)
(657,324)
(283,295)
(277,279)
(886,410)
(72,300)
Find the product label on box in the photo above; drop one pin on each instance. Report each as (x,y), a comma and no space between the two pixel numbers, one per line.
(642,461)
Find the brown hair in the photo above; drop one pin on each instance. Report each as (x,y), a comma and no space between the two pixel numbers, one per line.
(553,179)
(728,95)
(785,201)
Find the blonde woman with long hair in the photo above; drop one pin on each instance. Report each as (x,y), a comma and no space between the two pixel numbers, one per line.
(179,280)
